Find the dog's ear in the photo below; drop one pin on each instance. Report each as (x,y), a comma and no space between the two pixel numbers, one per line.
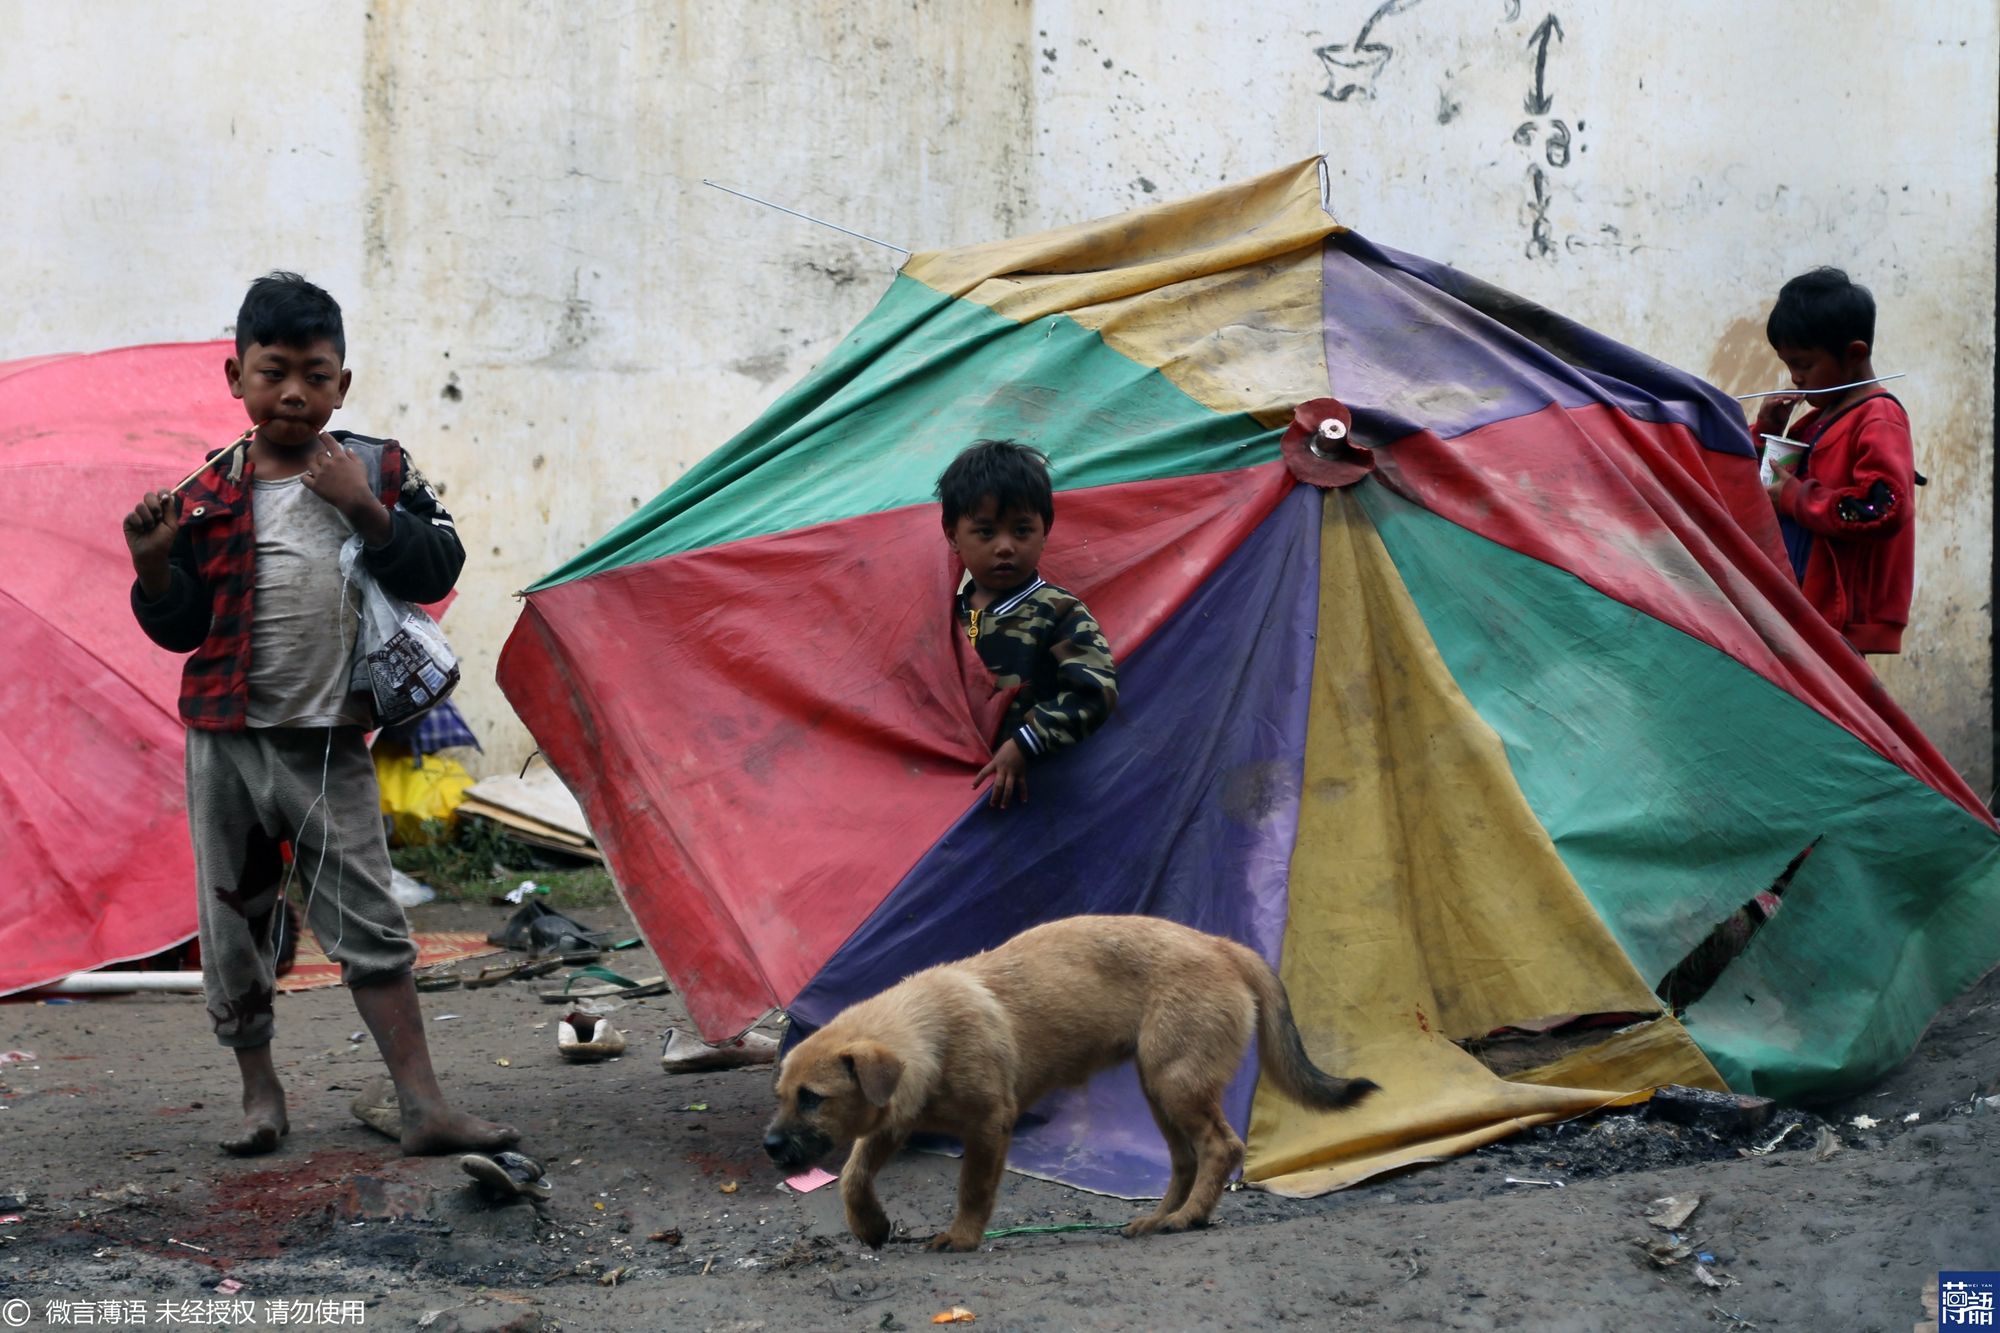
(875,1068)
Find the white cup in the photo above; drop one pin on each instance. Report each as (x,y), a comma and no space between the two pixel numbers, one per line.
(1781,454)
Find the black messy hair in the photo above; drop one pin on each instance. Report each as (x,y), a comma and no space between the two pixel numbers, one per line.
(284,310)
(1014,475)
(1823,310)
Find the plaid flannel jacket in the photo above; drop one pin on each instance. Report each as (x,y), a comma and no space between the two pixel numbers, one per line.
(1043,639)
(207,609)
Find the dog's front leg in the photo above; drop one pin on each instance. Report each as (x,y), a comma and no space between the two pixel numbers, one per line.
(978,1183)
(865,1217)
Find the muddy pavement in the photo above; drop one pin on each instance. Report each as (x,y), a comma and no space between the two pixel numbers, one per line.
(666,1215)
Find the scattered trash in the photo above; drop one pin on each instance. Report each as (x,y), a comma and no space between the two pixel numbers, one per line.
(444,1018)
(1864,1122)
(1720,1112)
(1705,1257)
(598,1205)
(8,1219)
(408,891)
(1672,1212)
(693,1106)
(1665,1253)
(17,1197)
(671,1236)
(1713,1281)
(610,1279)
(503,1062)
(16,1057)
(357,1036)
(1826,1144)
(124,1194)
(957,1314)
(1913,1117)
(229,1286)
(807,1181)
(198,1249)
(520,895)
(1764,1148)
(730,1187)
(534,809)
(1517,1180)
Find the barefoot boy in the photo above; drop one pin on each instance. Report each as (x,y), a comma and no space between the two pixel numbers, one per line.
(241,568)
(1847,511)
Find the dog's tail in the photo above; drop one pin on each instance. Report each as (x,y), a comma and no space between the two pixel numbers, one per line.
(1283,1054)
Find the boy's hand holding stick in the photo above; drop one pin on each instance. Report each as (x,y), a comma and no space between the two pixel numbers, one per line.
(151,527)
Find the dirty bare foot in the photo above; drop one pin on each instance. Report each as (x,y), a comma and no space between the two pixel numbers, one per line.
(447,1131)
(264,1123)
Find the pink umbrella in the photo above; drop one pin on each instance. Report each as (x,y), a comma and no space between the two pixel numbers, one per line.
(94,853)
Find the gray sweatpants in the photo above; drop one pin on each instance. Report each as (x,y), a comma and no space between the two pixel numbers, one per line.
(250,790)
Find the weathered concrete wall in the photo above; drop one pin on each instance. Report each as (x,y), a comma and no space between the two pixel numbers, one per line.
(549,307)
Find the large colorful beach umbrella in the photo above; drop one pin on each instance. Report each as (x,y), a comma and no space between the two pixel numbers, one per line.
(1482,716)
(94,848)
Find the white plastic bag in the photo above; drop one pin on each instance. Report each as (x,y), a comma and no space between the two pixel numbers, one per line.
(401,658)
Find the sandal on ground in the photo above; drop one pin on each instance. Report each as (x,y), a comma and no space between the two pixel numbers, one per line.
(506,1175)
(610,986)
(685,1053)
(582,1038)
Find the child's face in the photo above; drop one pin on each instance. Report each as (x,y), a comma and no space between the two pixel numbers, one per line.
(289,392)
(1815,369)
(1000,551)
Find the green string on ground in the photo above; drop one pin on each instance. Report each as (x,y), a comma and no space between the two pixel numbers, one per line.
(1050,1230)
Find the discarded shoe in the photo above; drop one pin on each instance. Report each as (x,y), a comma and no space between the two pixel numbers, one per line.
(376,1106)
(539,929)
(609,986)
(685,1053)
(582,1038)
(506,1175)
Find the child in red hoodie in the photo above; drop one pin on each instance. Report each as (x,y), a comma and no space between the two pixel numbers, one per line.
(1848,510)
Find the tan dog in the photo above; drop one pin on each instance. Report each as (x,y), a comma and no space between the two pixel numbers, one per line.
(966,1047)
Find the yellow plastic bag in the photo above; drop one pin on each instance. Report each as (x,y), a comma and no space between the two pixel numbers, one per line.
(422,803)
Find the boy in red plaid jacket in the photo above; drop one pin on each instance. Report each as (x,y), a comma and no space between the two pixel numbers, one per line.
(240,567)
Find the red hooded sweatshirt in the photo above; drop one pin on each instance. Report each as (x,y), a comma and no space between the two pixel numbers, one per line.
(1855,494)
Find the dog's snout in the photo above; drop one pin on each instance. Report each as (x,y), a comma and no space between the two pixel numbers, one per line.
(794,1147)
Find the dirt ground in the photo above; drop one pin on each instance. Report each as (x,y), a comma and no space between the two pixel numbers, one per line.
(666,1215)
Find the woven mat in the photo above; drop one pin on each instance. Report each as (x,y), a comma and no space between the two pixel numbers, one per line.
(314,969)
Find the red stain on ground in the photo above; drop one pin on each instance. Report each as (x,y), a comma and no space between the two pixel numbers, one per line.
(717,1164)
(257,1214)
(1423,1022)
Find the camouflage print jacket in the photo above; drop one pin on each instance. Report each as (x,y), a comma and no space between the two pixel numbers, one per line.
(1044,640)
